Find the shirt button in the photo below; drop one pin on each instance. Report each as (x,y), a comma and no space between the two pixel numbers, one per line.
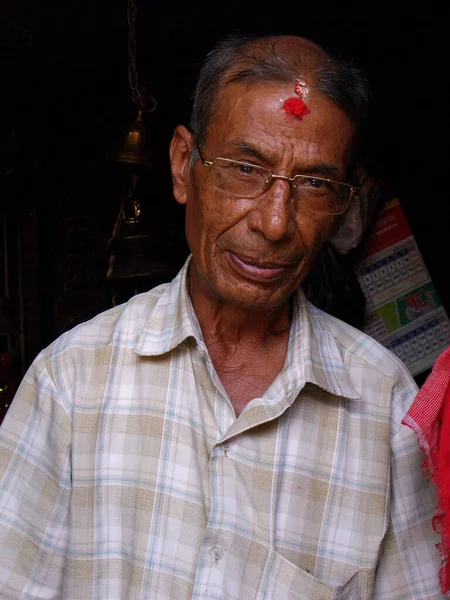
(226,446)
(216,553)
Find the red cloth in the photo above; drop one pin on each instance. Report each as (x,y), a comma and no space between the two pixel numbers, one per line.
(429,417)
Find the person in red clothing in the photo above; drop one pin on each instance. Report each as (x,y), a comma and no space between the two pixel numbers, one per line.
(429,417)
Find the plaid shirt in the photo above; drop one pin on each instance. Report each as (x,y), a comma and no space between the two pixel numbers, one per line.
(125,473)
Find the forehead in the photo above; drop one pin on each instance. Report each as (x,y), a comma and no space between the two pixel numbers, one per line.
(255,116)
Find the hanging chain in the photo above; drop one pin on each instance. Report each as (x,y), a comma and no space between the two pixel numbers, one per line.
(133,78)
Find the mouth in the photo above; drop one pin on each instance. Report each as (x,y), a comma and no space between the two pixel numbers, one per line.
(258,270)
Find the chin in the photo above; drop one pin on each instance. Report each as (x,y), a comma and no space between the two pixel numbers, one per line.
(243,296)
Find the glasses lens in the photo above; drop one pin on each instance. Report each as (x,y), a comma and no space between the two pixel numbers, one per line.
(321,196)
(238,178)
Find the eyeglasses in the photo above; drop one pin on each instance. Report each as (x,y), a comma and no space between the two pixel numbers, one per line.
(240,179)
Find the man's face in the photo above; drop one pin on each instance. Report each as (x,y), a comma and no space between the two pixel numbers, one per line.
(255,253)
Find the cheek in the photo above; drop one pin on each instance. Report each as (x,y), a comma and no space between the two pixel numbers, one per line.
(314,231)
(215,216)
(204,222)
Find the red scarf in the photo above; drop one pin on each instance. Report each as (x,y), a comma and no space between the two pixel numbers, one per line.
(429,417)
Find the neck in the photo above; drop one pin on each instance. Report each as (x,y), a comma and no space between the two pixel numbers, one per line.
(231,325)
(247,347)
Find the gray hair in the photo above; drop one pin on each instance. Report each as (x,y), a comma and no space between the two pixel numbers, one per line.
(252,60)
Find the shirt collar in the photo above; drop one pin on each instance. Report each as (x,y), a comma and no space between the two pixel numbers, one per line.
(314,355)
(172,319)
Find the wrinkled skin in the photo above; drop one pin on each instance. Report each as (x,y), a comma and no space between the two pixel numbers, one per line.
(255,253)
(249,256)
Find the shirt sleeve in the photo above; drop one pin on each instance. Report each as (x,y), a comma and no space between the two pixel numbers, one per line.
(409,564)
(35,489)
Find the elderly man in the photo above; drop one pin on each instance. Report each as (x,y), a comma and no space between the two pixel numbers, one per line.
(219,437)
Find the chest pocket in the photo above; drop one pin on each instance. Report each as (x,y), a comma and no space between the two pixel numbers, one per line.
(285,581)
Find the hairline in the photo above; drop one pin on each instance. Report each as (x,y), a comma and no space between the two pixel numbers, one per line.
(255,61)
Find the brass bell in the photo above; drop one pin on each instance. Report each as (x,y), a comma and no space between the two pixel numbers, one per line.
(134,147)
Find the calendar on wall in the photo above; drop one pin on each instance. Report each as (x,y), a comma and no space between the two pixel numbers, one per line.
(403,309)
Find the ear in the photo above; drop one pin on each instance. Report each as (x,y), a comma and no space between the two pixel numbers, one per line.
(180,156)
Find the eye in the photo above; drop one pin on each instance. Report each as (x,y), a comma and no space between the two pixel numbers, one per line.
(311,184)
(244,169)
(316,183)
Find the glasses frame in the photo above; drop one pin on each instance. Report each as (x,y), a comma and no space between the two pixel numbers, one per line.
(353,189)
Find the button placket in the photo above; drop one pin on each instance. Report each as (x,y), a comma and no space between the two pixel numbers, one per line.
(216,553)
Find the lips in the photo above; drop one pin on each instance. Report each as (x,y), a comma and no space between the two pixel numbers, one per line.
(256,269)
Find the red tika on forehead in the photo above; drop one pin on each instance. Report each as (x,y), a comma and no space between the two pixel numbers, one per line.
(296,106)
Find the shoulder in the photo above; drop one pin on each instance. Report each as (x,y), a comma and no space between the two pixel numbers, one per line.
(376,373)
(121,325)
(359,347)
(88,351)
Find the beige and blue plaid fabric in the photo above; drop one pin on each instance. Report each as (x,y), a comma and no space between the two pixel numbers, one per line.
(124,473)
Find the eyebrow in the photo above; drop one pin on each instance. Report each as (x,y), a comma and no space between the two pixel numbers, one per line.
(251,150)
(324,169)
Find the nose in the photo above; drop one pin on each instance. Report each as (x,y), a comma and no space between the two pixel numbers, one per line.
(273,213)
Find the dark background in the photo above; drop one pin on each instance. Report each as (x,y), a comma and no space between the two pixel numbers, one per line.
(65,93)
